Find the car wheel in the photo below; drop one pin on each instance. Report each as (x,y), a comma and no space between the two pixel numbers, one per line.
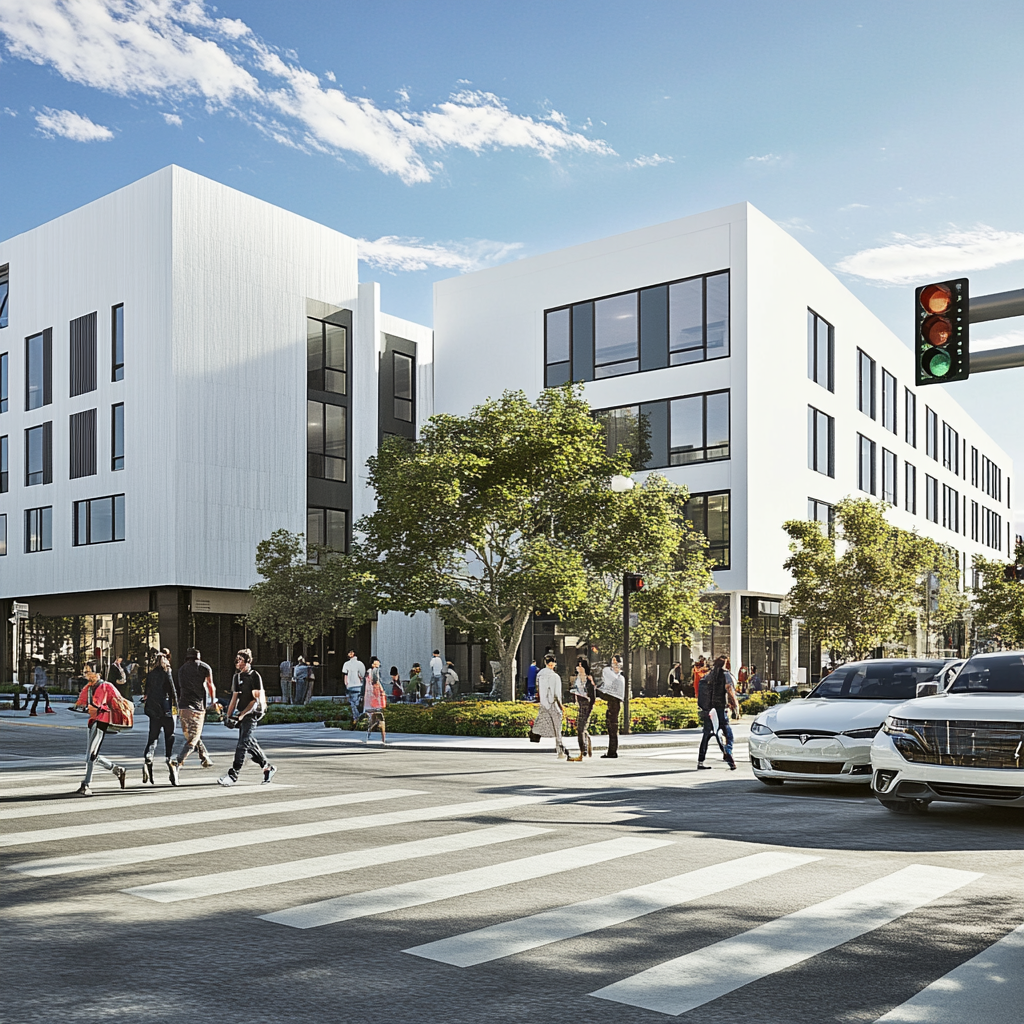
(770,782)
(905,806)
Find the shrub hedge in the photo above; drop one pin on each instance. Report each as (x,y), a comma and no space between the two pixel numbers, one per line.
(760,701)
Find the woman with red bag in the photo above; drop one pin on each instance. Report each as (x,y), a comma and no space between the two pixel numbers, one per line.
(100,698)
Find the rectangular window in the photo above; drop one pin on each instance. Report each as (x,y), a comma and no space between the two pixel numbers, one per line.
(821,512)
(39,455)
(974,466)
(39,529)
(910,417)
(326,357)
(83,355)
(821,351)
(931,498)
(4,293)
(975,521)
(991,478)
(950,449)
(5,479)
(117,342)
(709,514)
(99,520)
(3,382)
(866,464)
(910,488)
(325,528)
(38,370)
(889,464)
(404,378)
(3,534)
(821,442)
(117,436)
(992,526)
(889,401)
(865,384)
(83,444)
(326,441)
(616,335)
(931,434)
(950,509)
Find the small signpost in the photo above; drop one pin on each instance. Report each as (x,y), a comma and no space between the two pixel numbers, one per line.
(19,611)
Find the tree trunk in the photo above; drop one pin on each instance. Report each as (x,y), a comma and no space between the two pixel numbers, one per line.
(507,651)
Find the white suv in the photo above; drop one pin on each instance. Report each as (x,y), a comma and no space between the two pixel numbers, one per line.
(965,744)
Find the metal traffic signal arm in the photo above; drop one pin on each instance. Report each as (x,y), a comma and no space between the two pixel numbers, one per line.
(997,306)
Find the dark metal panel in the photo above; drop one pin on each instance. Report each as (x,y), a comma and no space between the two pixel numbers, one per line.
(656,414)
(654,328)
(583,341)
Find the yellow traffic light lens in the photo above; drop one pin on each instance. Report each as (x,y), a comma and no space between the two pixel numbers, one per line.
(936,298)
(937,362)
(936,330)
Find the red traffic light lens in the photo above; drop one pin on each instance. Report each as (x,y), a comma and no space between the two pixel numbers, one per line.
(639,583)
(936,330)
(936,298)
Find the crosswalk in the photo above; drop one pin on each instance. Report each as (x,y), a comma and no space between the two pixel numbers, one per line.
(528,868)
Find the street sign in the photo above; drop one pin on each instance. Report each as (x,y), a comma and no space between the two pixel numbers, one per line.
(634,620)
(21,610)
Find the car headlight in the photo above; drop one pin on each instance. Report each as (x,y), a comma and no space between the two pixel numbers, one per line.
(862,734)
(760,729)
(896,725)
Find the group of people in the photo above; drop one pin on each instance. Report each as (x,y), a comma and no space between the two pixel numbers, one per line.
(297,680)
(748,679)
(187,698)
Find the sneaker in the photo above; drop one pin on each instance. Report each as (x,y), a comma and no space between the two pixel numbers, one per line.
(609,755)
(83,790)
(122,774)
(50,711)
(227,780)
(268,773)
(172,771)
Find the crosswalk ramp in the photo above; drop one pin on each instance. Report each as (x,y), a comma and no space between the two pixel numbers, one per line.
(504,848)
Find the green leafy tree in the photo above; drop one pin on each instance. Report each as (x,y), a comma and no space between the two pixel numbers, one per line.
(492,515)
(859,587)
(999,602)
(290,603)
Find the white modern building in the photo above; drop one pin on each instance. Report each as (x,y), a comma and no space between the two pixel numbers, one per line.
(768,389)
(184,370)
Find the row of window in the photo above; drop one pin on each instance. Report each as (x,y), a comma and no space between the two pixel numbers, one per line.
(82,445)
(94,521)
(668,324)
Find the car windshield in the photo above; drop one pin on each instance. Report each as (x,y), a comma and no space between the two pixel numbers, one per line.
(896,681)
(1001,674)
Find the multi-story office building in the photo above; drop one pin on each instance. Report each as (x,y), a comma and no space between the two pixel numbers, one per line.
(184,370)
(765,386)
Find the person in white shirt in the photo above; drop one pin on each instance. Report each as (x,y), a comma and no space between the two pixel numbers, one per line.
(354,672)
(613,689)
(549,714)
(436,672)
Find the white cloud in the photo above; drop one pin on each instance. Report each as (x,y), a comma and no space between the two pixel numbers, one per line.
(176,49)
(172,119)
(1004,340)
(72,126)
(765,161)
(908,259)
(651,161)
(853,206)
(394,253)
(795,224)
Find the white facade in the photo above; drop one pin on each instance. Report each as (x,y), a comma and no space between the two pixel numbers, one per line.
(490,336)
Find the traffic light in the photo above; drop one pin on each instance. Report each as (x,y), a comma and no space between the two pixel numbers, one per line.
(633,583)
(941,350)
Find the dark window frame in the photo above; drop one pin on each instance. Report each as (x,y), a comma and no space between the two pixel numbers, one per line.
(117,342)
(317,378)
(86,506)
(46,369)
(814,419)
(950,449)
(5,464)
(312,557)
(910,417)
(814,370)
(116,457)
(865,361)
(38,523)
(910,488)
(45,470)
(931,498)
(889,399)
(872,451)
(317,460)
(402,402)
(703,498)
(813,507)
(890,473)
(5,363)
(931,433)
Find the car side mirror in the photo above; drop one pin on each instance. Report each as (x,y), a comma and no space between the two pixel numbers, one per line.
(928,689)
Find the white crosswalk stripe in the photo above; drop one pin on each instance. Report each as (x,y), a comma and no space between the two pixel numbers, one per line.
(988,988)
(253,837)
(335,863)
(190,818)
(501,940)
(686,982)
(462,883)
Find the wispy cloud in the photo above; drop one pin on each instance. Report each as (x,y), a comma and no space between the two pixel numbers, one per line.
(179,50)
(765,161)
(174,119)
(914,258)
(394,253)
(72,126)
(795,224)
(651,161)
(853,206)
(1004,340)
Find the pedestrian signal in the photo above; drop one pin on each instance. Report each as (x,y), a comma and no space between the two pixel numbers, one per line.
(633,583)
(941,349)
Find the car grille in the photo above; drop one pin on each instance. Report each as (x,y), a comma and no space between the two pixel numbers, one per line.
(977,792)
(963,744)
(809,767)
(811,734)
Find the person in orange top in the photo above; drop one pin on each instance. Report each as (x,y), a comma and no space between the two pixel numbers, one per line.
(699,672)
(100,696)
(741,679)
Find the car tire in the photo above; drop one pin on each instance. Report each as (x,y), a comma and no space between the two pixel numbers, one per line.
(905,806)
(770,782)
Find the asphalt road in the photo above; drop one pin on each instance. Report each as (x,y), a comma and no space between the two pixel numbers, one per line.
(603,891)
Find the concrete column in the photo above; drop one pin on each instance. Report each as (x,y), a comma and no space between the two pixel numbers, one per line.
(735,631)
(794,651)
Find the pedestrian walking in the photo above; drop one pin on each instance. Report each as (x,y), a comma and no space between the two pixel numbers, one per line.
(451,680)
(531,680)
(247,707)
(118,677)
(756,682)
(415,682)
(374,702)
(397,690)
(354,672)
(101,698)
(300,674)
(195,693)
(585,694)
(675,680)
(285,668)
(549,715)
(741,679)
(613,689)
(699,671)
(436,671)
(717,694)
(160,702)
(40,691)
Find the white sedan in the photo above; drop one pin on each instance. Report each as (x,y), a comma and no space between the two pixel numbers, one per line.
(826,737)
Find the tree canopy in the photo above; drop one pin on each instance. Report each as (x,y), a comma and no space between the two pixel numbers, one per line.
(999,602)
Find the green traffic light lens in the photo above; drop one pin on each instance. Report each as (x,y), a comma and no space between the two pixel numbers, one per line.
(937,362)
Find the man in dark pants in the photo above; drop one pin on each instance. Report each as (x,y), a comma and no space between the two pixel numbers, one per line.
(613,689)
(160,699)
(247,694)
(715,694)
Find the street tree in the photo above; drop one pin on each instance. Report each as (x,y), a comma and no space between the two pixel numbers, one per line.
(490,516)
(999,601)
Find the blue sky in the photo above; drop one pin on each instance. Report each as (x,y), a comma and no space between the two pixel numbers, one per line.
(447,136)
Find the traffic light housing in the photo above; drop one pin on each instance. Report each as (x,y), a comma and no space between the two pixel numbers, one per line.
(941,336)
(633,583)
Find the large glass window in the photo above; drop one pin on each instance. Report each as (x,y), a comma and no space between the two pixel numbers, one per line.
(39,529)
(326,356)
(117,436)
(820,351)
(910,488)
(404,377)
(39,455)
(117,343)
(950,509)
(821,442)
(974,466)
(991,478)
(975,521)
(866,464)
(616,335)
(5,479)
(950,449)
(865,384)
(99,520)
(888,401)
(931,434)
(709,514)
(931,498)
(326,442)
(992,524)
(821,512)
(910,417)
(889,464)
(325,528)
(4,294)
(3,382)
(38,370)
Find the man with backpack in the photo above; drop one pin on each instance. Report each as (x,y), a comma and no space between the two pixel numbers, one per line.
(247,707)
(715,694)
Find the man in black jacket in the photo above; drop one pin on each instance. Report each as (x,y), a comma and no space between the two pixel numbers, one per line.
(160,699)
(195,694)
